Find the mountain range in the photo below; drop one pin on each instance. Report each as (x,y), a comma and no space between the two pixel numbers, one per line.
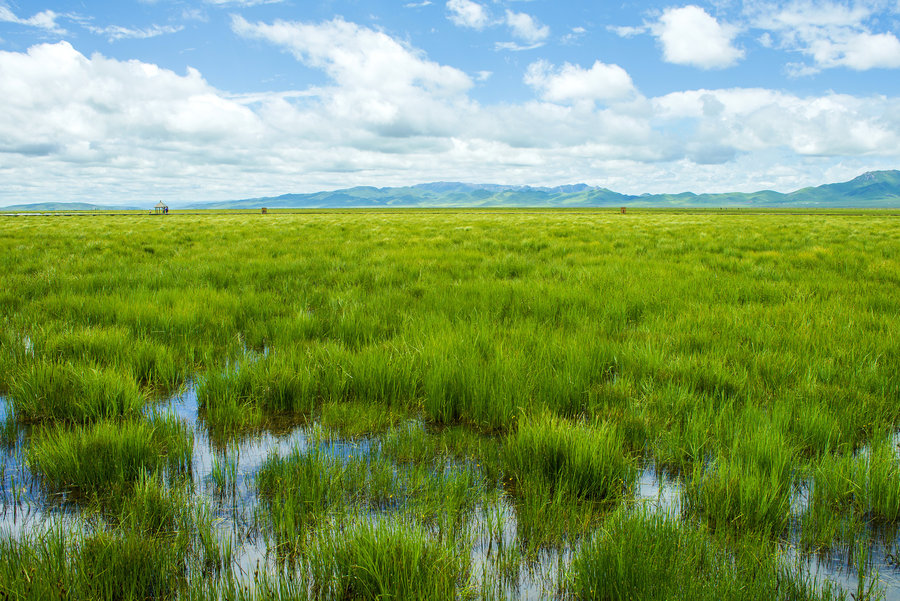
(874,189)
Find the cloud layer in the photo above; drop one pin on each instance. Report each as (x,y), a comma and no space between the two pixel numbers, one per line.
(99,128)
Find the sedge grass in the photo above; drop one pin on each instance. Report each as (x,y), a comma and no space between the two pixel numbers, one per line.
(103,458)
(386,560)
(583,461)
(44,391)
(652,556)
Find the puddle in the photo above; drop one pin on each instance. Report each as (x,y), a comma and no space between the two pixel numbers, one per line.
(837,567)
(661,492)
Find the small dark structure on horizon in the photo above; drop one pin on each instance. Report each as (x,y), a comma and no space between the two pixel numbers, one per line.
(265,210)
(161,207)
(623,210)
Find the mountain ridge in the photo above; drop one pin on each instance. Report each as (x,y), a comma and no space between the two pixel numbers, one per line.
(873,189)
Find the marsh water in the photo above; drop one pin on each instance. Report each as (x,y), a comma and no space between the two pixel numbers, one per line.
(223,477)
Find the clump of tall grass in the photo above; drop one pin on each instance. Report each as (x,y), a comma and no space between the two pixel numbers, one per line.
(748,485)
(152,508)
(585,461)
(155,545)
(353,419)
(460,385)
(100,458)
(44,390)
(299,490)
(386,559)
(147,361)
(867,482)
(104,565)
(295,491)
(644,555)
(242,395)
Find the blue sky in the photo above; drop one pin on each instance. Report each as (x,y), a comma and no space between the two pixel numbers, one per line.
(219,99)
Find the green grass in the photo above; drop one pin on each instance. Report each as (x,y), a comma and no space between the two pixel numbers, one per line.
(529,361)
(867,482)
(386,560)
(582,461)
(44,391)
(101,459)
(149,544)
(749,485)
(649,556)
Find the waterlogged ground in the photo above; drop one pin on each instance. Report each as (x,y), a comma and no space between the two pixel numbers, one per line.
(450,405)
(224,480)
(233,499)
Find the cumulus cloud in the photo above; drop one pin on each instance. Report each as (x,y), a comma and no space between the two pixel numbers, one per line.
(529,32)
(830,34)
(690,36)
(45,20)
(358,57)
(466,13)
(751,119)
(574,83)
(526,28)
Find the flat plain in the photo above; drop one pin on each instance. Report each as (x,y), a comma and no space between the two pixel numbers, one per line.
(450,404)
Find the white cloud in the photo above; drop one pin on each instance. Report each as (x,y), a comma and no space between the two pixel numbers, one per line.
(466,13)
(421,4)
(358,57)
(380,84)
(116,32)
(76,127)
(830,34)
(45,20)
(242,3)
(515,46)
(858,51)
(574,35)
(526,28)
(690,36)
(194,14)
(573,83)
(628,31)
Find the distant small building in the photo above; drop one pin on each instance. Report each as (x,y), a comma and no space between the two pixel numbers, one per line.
(623,210)
(161,207)
(265,210)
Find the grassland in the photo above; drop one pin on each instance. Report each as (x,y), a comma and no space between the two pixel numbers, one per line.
(505,379)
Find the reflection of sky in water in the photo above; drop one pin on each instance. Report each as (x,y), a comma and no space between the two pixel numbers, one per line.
(24,509)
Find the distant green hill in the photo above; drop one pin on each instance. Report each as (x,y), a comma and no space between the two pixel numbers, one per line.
(65,206)
(875,189)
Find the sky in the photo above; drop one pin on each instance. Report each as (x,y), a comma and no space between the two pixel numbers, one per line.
(120,101)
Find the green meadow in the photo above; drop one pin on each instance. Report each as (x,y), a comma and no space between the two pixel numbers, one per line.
(450,405)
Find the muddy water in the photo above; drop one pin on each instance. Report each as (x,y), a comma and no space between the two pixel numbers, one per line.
(25,508)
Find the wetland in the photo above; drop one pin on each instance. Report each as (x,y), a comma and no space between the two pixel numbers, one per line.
(450,405)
